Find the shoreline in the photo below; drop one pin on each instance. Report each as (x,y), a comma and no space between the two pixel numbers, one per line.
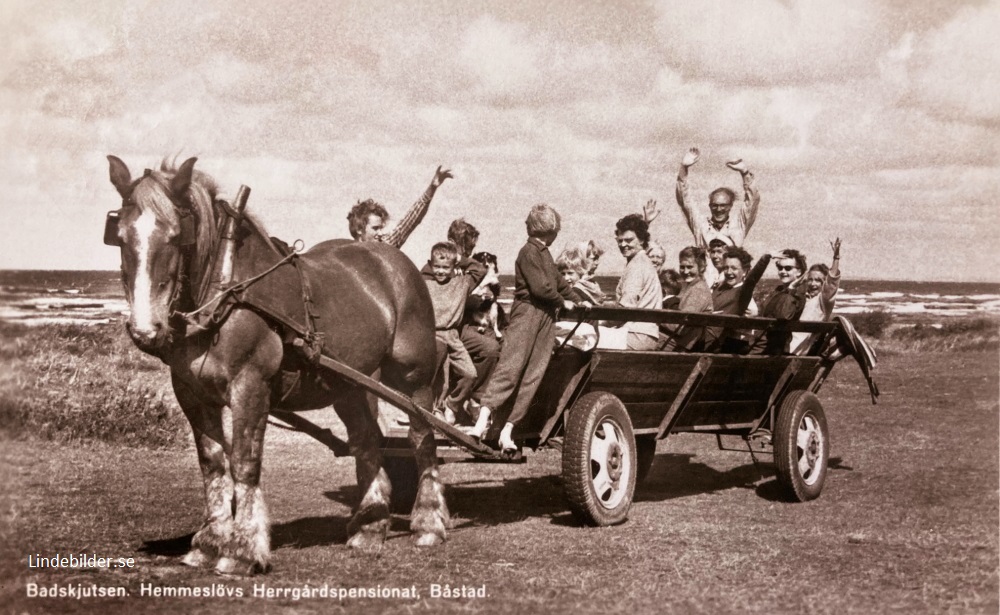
(4,272)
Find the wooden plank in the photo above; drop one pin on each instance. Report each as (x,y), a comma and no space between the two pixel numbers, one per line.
(654,380)
(717,427)
(781,384)
(720,412)
(563,368)
(777,393)
(621,314)
(567,394)
(647,415)
(684,395)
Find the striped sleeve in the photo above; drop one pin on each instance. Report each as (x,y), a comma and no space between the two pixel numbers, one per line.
(413,217)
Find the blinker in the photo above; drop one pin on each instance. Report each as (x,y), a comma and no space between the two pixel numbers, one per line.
(189,231)
(111,229)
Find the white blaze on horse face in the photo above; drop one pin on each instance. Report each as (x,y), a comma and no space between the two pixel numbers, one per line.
(142,287)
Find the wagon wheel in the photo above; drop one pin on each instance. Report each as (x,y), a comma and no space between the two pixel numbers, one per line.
(801,446)
(405,479)
(599,460)
(645,448)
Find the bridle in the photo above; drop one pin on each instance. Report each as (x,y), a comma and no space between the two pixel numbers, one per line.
(187,241)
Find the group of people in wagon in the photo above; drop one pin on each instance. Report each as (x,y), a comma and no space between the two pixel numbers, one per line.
(493,365)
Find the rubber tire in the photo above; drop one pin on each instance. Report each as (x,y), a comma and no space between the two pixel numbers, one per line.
(405,480)
(645,447)
(588,413)
(796,408)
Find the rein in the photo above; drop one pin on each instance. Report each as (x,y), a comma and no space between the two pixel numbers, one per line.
(218,304)
(204,314)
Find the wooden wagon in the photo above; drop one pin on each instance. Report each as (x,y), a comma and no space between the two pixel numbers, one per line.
(609,408)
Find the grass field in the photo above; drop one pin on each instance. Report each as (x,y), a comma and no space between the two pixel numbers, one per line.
(908,521)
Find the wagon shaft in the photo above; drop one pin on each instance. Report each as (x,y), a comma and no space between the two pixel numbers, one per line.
(406,404)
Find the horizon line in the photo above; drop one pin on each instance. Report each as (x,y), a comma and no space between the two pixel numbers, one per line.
(858,279)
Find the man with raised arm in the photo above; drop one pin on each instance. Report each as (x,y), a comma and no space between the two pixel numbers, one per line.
(367,219)
(366,222)
(719,224)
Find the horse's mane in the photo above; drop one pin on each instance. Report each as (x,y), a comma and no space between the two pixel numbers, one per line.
(202,193)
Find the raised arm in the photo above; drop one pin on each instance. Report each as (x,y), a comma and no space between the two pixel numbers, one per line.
(832,283)
(751,197)
(690,157)
(650,211)
(750,282)
(398,236)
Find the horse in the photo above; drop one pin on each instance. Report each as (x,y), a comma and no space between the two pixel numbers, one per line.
(372,312)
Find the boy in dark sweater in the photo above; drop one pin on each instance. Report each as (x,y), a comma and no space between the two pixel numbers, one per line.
(449,287)
(539,291)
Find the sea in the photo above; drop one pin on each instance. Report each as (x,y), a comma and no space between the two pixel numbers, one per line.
(89,297)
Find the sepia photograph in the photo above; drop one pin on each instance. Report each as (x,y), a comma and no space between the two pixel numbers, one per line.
(482,306)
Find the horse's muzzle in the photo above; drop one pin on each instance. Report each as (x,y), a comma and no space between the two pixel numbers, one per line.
(148,340)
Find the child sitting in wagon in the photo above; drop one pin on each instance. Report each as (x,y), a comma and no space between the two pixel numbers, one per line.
(573,265)
(449,287)
(671,284)
(539,291)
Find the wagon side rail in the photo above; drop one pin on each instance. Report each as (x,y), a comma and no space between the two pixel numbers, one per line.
(624,314)
(839,330)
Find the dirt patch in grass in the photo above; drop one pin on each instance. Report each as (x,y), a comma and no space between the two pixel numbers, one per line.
(908,521)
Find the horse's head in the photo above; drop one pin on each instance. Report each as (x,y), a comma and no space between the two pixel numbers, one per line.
(155,230)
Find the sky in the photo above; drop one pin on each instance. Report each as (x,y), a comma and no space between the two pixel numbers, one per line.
(874,121)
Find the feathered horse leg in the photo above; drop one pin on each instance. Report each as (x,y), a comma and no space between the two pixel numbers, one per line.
(248,550)
(207,544)
(430,519)
(370,522)
(210,433)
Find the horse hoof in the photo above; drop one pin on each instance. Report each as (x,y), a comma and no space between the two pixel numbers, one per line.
(366,542)
(429,540)
(196,558)
(237,568)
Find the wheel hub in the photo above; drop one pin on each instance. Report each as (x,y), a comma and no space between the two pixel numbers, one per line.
(614,462)
(812,449)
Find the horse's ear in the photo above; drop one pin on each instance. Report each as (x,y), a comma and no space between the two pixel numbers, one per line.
(182,180)
(121,179)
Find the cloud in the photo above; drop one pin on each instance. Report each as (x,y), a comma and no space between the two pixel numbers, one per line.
(504,61)
(771,42)
(585,105)
(954,68)
(862,129)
